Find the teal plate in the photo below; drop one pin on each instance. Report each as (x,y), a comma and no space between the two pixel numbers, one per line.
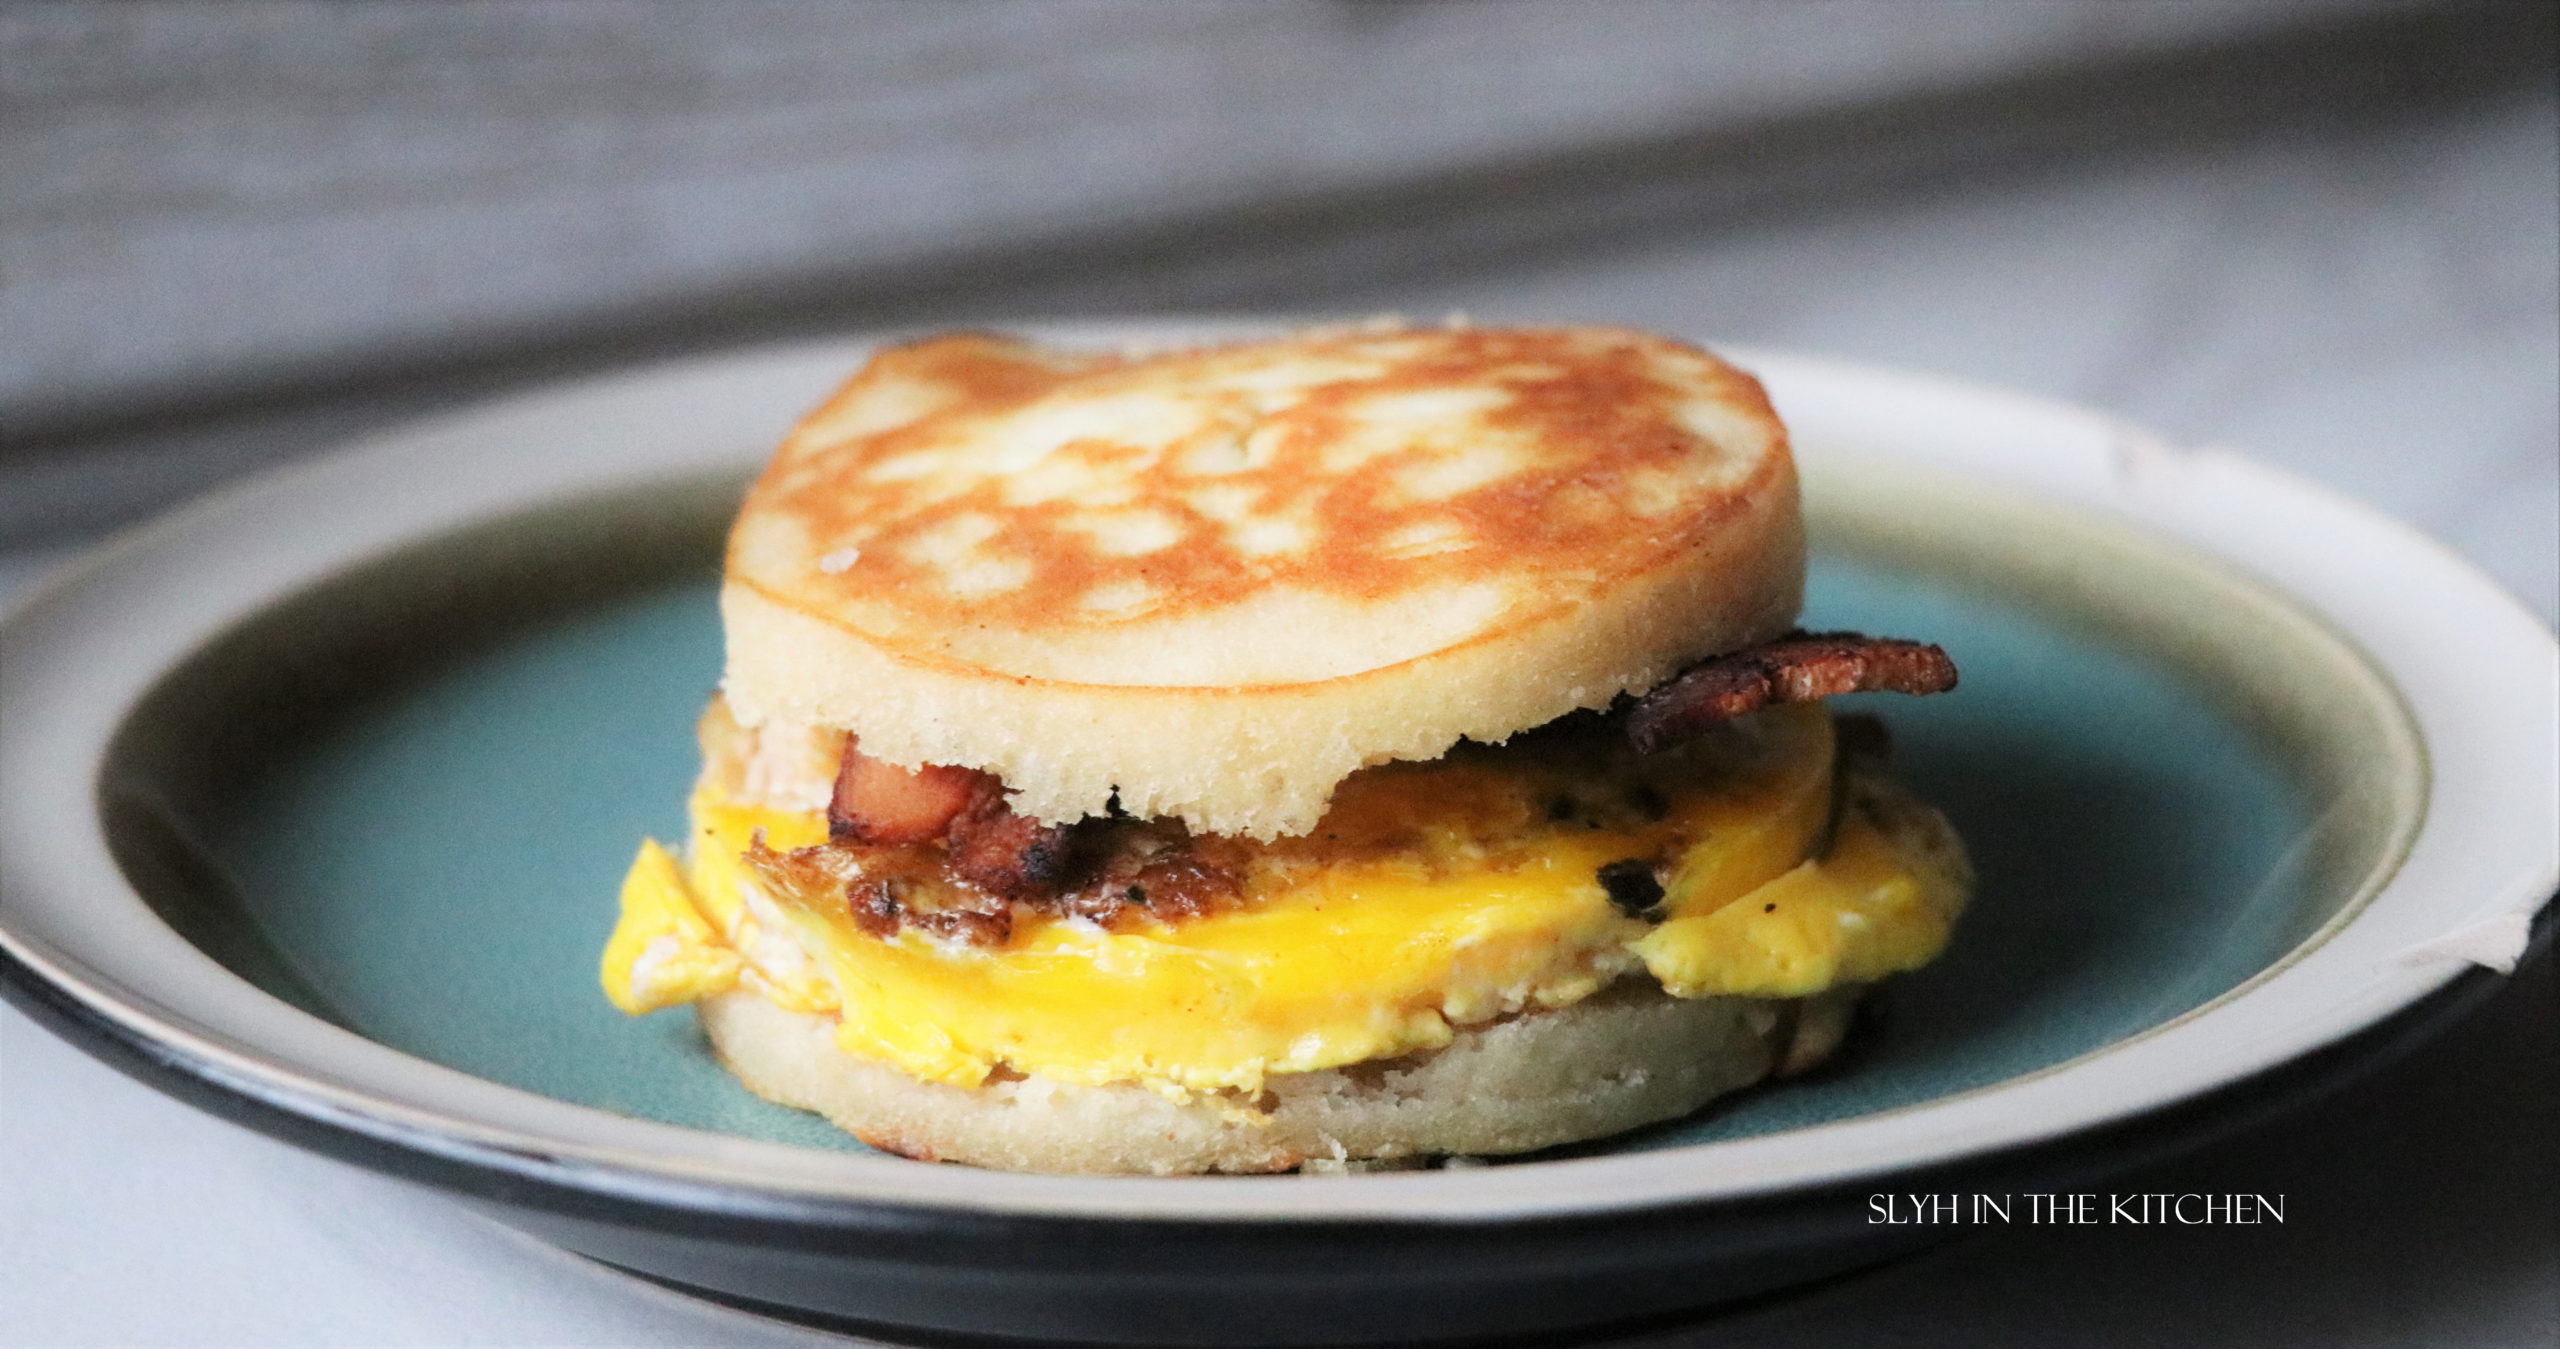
(320,793)
(434,864)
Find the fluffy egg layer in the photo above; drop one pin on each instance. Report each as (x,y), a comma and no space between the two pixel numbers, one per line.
(1433,896)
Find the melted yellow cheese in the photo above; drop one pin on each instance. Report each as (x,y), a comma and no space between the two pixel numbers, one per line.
(1435,896)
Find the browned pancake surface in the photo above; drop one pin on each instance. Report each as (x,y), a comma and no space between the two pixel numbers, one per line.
(1447,477)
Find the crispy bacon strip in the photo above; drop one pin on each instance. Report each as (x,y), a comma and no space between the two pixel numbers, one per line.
(880,899)
(1009,856)
(1791,669)
(1155,865)
(878,802)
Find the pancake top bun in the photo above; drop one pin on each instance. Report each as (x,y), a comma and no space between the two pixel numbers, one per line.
(1213,582)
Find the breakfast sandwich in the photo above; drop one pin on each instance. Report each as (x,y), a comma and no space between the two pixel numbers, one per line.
(1361,746)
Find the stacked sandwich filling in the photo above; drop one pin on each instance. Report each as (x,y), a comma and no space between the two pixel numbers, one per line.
(1493,881)
(1377,742)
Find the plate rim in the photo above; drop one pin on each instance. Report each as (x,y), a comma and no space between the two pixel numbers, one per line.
(2113,465)
(524,1182)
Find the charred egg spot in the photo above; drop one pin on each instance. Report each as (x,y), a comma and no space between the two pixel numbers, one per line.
(1632,887)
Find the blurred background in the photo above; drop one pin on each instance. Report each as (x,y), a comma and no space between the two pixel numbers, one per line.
(2325,232)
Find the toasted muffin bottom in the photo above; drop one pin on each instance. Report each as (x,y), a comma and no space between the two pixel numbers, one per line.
(1628,1056)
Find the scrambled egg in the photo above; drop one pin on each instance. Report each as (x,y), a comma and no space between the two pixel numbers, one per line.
(1434,896)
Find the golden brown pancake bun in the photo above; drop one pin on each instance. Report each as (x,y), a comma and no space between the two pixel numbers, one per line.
(1215,582)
